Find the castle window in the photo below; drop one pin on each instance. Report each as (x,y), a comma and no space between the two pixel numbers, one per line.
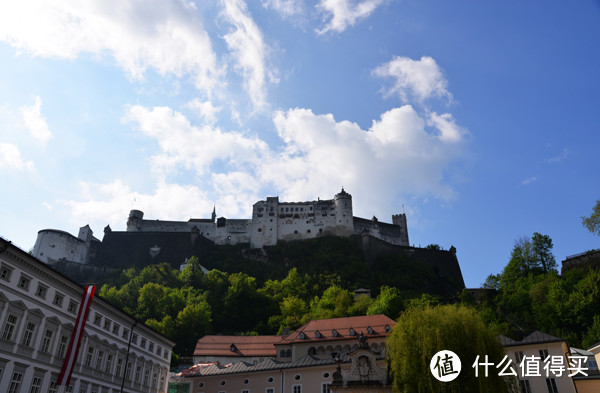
(295,232)
(308,231)
(260,229)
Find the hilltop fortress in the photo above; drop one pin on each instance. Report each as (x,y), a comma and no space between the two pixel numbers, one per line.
(271,221)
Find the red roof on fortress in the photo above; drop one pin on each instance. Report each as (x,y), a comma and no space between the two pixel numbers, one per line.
(341,329)
(242,346)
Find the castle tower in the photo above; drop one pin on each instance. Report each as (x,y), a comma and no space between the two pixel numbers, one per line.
(85,234)
(214,214)
(400,220)
(344,220)
(134,222)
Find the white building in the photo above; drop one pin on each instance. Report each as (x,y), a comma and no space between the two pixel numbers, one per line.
(38,309)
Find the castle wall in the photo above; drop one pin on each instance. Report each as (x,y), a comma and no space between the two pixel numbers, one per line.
(393,234)
(52,245)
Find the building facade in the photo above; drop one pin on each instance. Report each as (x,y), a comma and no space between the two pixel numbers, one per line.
(271,221)
(38,311)
(304,361)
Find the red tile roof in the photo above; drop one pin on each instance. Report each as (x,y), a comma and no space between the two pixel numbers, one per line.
(243,346)
(341,329)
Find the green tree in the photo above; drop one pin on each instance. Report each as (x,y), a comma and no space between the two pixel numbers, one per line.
(193,322)
(192,274)
(293,309)
(421,333)
(592,223)
(334,303)
(542,250)
(389,302)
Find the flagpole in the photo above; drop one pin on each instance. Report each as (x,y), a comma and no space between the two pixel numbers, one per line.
(127,356)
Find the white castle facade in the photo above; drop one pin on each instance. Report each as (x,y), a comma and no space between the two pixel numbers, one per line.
(271,221)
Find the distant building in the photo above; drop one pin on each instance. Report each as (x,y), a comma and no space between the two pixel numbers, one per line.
(230,349)
(305,361)
(38,311)
(584,260)
(271,221)
(541,345)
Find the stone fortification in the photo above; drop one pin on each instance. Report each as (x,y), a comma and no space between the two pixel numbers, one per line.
(271,221)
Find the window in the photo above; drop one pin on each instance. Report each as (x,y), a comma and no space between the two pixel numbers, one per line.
(297,389)
(58,300)
(543,354)
(72,307)
(5,272)
(325,388)
(24,282)
(125,334)
(119,366)
(46,340)
(158,350)
(270,390)
(525,387)
(146,377)
(551,384)
(36,384)
(52,388)
(128,371)
(138,371)
(519,357)
(15,382)
(41,291)
(9,327)
(107,323)
(99,360)
(89,356)
(245,391)
(134,339)
(108,365)
(154,379)
(115,329)
(143,344)
(97,319)
(151,347)
(28,334)
(62,346)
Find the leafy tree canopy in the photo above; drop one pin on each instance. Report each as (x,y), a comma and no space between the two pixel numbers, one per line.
(592,223)
(422,332)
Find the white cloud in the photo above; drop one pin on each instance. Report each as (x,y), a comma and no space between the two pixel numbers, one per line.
(402,155)
(285,8)
(165,35)
(10,158)
(345,13)
(529,181)
(247,45)
(102,204)
(185,145)
(561,157)
(414,79)
(35,122)
(205,109)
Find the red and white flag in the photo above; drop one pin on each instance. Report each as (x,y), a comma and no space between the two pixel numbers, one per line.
(64,379)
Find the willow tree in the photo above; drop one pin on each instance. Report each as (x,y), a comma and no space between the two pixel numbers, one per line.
(422,332)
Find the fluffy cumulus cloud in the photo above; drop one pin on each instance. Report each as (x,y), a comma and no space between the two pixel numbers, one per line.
(11,159)
(401,150)
(246,42)
(164,35)
(184,145)
(100,204)
(35,122)
(414,79)
(401,153)
(343,13)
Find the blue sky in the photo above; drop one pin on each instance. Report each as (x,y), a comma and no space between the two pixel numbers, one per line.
(477,119)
